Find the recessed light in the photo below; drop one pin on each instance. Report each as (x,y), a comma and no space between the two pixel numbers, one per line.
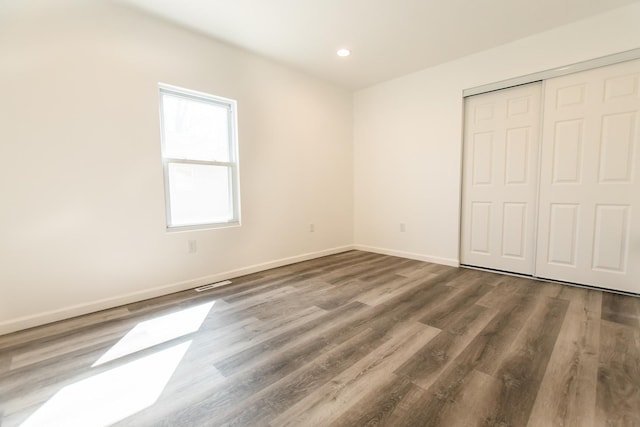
(343,52)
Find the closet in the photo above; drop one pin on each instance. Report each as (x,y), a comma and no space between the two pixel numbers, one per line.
(550,179)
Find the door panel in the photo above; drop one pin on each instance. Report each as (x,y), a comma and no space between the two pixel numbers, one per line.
(610,245)
(480,227)
(482,153)
(567,151)
(589,206)
(517,156)
(500,178)
(563,234)
(616,149)
(513,230)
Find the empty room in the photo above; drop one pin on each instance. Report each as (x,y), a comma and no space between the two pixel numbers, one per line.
(319,213)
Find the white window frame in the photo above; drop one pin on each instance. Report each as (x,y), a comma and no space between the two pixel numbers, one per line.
(232,164)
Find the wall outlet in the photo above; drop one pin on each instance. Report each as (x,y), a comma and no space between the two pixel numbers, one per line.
(193,246)
(312,228)
(403,228)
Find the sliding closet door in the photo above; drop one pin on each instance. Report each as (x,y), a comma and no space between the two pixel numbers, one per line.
(589,212)
(499,178)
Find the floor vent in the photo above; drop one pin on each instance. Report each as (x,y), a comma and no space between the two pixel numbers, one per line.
(212,286)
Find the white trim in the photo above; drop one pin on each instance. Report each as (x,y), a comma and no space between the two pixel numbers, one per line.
(602,61)
(201,96)
(536,212)
(26,322)
(409,255)
(463,128)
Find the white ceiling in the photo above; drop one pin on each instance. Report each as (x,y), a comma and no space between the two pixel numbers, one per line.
(388,38)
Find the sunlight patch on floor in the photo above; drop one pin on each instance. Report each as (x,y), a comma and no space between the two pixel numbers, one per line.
(157,331)
(113,395)
(110,396)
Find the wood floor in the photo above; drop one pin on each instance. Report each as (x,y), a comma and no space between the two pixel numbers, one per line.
(347,340)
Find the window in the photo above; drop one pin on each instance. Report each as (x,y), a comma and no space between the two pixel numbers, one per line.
(200,158)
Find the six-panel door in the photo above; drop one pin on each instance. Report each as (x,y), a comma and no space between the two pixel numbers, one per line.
(587,212)
(589,208)
(500,178)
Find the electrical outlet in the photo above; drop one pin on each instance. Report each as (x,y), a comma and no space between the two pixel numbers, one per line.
(312,228)
(193,246)
(403,228)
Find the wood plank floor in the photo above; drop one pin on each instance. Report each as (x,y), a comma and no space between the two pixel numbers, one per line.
(346,340)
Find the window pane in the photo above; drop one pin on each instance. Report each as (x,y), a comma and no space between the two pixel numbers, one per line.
(194,129)
(200,194)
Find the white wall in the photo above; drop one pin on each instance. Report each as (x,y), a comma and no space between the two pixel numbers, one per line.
(408,134)
(82,222)
(81,191)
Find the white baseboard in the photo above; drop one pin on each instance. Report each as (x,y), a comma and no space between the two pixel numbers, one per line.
(410,255)
(26,322)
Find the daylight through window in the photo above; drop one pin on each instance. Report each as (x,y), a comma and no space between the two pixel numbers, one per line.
(199,153)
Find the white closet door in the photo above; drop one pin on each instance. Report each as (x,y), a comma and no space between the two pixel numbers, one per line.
(589,218)
(500,178)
